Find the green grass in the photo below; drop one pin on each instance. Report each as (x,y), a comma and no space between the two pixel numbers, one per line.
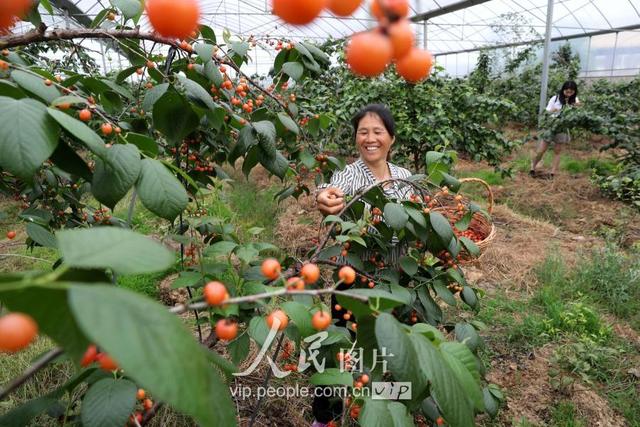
(146,284)
(568,163)
(253,207)
(563,414)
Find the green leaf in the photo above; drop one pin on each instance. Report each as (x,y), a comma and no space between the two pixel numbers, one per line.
(395,216)
(442,227)
(463,364)
(99,18)
(385,413)
(300,316)
(293,69)
(409,265)
(41,235)
(27,136)
(449,395)
(186,278)
(123,251)
(258,330)
(154,354)
(277,165)
(416,216)
(204,51)
(197,93)
(239,348)
(47,6)
(393,336)
(108,403)
(490,403)
(467,334)
(116,173)
(160,191)
(451,182)
(240,48)
(145,144)
(443,292)
(35,85)
(470,246)
(23,414)
(266,129)
(469,297)
(10,89)
(152,95)
(212,72)
(220,248)
(79,130)
(69,161)
(68,99)
(129,8)
(288,123)
(331,376)
(174,117)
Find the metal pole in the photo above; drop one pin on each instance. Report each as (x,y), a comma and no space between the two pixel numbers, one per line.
(613,59)
(424,35)
(545,60)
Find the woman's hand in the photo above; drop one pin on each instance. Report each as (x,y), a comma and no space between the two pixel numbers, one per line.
(330,201)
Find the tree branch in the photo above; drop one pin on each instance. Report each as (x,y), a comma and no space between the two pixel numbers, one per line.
(31,371)
(253,298)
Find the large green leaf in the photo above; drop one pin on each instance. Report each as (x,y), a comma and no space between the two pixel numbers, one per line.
(442,227)
(108,403)
(41,235)
(288,123)
(258,330)
(392,336)
(145,144)
(197,93)
(153,95)
(331,376)
(23,414)
(129,8)
(293,69)
(300,316)
(395,216)
(123,251)
(463,364)
(385,413)
(174,117)
(204,51)
(276,164)
(155,349)
(160,191)
(449,395)
(75,127)
(116,173)
(50,309)
(28,136)
(69,161)
(35,85)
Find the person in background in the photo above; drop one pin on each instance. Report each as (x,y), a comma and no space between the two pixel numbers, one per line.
(567,96)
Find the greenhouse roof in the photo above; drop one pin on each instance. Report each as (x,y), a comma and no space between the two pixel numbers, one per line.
(472,23)
(452,26)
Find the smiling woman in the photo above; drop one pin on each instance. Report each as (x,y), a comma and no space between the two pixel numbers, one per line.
(374,129)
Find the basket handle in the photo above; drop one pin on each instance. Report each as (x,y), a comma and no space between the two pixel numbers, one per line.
(487,186)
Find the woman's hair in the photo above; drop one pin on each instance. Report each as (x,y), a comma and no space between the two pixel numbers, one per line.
(379,110)
(569,84)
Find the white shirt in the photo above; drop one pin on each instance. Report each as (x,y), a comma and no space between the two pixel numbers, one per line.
(554,106)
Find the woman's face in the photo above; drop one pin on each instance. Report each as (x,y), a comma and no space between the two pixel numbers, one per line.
(372,139)
(569,92)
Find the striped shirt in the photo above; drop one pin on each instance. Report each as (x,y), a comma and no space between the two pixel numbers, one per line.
(357,176)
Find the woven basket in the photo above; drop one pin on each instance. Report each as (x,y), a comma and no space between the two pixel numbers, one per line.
(479,223)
